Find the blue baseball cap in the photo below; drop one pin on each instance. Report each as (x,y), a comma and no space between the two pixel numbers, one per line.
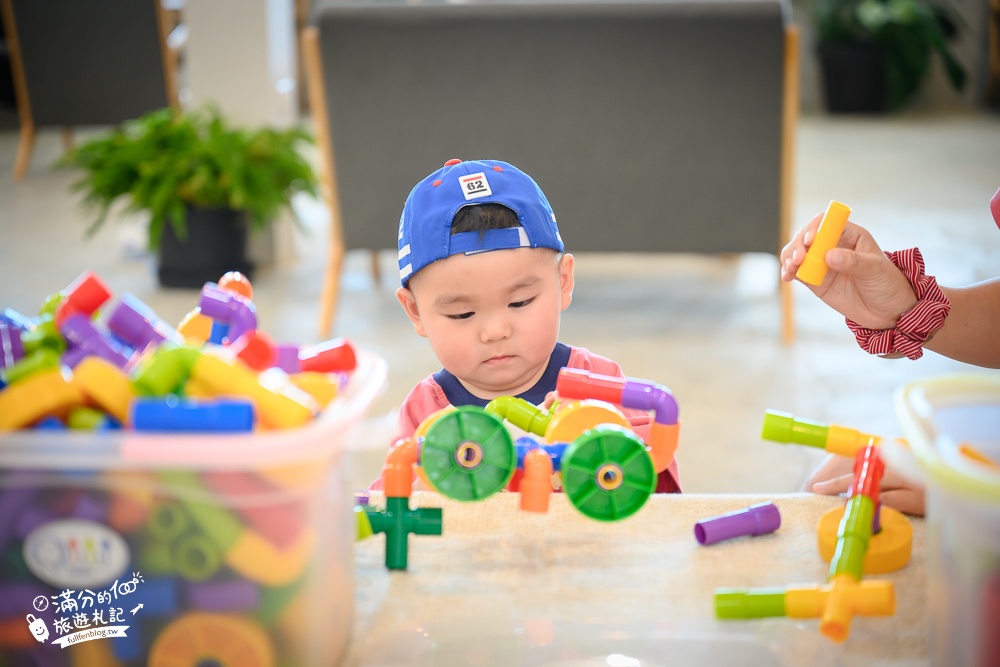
(425,226)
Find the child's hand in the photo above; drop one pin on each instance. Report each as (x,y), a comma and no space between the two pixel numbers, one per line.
(551,399)
(862,284)
(833,477)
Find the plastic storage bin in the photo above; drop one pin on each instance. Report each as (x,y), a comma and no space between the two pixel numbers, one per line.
(941,419)
(180,551)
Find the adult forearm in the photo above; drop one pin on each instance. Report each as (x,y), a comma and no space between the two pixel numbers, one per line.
(971,333)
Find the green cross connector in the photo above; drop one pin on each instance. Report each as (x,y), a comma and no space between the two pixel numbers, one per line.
(397,521)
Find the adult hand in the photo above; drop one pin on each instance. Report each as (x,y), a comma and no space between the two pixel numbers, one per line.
(833,477)
(861,284)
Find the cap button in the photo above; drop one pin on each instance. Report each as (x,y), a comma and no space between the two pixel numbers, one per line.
(452,161)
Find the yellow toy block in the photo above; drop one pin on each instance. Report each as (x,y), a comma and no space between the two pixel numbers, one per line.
(274,409)
(105,385)
(258,560)
(195,327)
(35,397)
(323,387)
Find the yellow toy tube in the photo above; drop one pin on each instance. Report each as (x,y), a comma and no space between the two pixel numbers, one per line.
(813,269)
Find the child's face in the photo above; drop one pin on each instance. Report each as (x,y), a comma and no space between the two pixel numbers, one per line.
(492,318)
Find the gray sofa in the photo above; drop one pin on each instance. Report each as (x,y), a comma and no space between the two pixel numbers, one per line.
(658,126)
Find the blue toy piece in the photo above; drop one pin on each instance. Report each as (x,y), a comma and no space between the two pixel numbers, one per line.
(172,414)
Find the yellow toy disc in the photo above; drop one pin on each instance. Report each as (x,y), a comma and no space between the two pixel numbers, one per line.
(200,638)
(574,417)
(422,431)
(888,550)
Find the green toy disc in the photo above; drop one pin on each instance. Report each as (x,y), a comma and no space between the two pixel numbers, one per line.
(607,473)
(468,454)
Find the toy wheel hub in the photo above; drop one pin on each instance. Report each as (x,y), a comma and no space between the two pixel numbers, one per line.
(469,454)
(609,477)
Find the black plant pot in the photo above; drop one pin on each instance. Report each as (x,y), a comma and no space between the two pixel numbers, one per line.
(854,79)
(216,243)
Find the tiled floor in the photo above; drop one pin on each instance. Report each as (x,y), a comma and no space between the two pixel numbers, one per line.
(706,327)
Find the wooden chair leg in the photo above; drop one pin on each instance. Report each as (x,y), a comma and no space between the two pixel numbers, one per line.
(789,123)
(376,274)
(67,138)
(331,291)
(787,312)
(24,147)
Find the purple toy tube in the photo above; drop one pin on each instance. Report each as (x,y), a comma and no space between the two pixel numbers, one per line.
(16,598)
(757,519)
(42,656)
(228,308)
(135,323)
(287,357)
(87,340)
(11,347)
(13,501)
(233,595)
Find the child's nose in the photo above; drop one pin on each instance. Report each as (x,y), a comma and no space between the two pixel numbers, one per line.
(495,327)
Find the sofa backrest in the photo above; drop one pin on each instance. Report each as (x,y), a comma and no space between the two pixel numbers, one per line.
(651,126)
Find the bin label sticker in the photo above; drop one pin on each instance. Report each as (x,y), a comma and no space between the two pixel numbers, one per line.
(82,615)
(75,553)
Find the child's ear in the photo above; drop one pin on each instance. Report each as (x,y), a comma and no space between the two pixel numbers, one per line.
(409,303)
(566,279)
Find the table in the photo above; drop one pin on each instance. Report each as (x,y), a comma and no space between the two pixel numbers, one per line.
(506,587)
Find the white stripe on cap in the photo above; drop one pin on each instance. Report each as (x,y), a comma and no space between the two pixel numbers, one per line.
(405,271)
(523,237)
(404,251)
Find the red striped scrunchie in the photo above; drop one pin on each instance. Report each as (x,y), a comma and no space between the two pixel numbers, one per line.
(915,325)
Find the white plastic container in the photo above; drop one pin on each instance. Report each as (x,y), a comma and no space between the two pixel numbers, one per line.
(941,418)
(192,550)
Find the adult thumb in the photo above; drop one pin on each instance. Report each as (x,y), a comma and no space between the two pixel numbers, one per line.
(851,263)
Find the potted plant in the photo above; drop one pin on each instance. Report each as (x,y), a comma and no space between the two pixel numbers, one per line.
(204,184)
(876,54)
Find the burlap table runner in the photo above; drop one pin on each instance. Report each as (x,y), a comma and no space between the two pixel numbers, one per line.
(506,587)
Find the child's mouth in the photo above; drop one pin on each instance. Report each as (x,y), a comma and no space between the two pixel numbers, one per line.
(500,359)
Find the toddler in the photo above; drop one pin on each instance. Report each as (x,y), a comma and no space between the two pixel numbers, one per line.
(485,279)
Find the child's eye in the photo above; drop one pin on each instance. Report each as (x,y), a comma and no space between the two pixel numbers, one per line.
(522,304)
(460,316)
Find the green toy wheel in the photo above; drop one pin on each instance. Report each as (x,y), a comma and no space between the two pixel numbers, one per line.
(468,454)
(607,473)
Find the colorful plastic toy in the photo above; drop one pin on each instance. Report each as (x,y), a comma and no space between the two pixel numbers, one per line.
(228,556)
(891,545)
(137,325)
(758,519)
(83,297)
(397,520)
(228,308)
(468,453)
(854,530)
(813,268)
(172,414)
(85,340)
